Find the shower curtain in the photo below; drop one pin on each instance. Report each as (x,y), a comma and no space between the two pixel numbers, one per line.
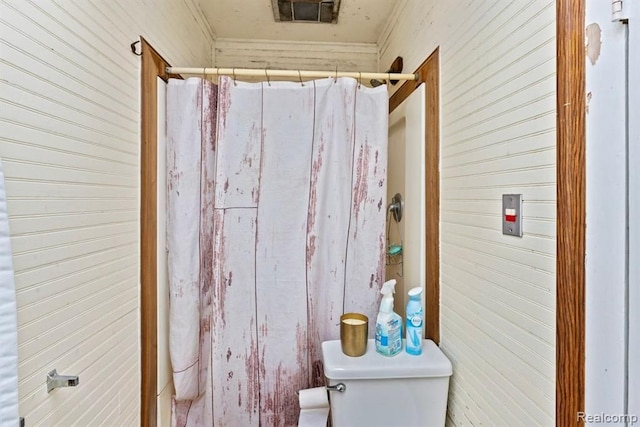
(275,228)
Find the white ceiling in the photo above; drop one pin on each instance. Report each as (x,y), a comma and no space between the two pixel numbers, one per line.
(359,21)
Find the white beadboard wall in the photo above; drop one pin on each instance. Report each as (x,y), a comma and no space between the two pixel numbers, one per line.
(240,53)
(69,141)
(497,61)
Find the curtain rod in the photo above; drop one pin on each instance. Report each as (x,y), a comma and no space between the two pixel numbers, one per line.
(298,74)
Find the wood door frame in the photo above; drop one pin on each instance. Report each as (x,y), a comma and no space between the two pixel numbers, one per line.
(153,66)
(571,210)
(429,74)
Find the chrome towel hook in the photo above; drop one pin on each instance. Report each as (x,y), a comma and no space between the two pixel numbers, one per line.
(55,380)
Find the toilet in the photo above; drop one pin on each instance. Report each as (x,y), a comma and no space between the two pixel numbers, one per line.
(375,390)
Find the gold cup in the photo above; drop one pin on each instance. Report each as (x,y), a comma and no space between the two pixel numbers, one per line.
(353,334)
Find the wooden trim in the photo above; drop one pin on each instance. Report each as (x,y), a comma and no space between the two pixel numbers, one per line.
(571,201)
(153,66)
(406,89)
(429,74)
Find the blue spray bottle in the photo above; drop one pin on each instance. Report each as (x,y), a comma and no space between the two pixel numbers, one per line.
(388,323)
(415,322)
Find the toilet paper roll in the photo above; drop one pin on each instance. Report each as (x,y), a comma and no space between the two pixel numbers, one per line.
(314,407)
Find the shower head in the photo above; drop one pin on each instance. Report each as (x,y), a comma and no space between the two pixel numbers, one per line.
(396,207)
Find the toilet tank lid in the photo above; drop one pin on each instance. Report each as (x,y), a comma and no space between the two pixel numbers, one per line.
(372,365)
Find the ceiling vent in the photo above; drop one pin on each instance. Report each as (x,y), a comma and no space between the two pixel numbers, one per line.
(306,10)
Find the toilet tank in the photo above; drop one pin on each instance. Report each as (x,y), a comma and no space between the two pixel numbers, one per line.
(402,390)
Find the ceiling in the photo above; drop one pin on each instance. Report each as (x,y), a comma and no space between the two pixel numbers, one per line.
(359,21)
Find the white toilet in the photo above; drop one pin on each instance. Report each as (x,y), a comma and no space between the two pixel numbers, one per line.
(402,390)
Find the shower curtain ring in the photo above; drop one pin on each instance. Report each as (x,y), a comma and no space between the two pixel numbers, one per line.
(204,73)
(235,83)
(359,80)
(300,77)
(267,76)
(335,79)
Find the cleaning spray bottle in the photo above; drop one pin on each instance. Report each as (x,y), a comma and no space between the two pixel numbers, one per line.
(388,323)
(415,322)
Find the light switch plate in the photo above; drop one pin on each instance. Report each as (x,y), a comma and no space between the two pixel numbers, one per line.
(512,204)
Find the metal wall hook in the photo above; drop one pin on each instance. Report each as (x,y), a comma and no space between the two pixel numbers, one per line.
(54,380)
(133,48)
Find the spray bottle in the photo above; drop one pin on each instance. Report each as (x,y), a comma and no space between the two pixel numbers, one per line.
(415,322)
(388,323)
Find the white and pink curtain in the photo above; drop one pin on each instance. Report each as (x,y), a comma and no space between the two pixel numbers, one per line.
(276,196)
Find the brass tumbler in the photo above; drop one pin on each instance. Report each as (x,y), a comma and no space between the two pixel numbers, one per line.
(353,334)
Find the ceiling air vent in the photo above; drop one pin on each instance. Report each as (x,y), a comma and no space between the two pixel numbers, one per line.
(305,10)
